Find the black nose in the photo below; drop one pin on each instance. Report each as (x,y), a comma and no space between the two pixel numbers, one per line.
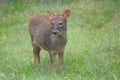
(54,32)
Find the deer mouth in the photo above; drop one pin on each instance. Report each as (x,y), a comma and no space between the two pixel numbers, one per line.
(55,32)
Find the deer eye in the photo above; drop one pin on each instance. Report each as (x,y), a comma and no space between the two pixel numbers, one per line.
(61,24)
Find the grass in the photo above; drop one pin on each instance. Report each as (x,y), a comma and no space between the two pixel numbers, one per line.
(92,51)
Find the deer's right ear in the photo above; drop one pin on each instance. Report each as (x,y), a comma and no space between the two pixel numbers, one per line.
(50,14)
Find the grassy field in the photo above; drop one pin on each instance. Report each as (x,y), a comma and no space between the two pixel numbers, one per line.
(93,48)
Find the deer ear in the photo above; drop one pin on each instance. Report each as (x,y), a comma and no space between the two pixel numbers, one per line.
(66,13)
(50,14)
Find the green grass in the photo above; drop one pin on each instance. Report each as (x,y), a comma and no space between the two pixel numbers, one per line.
(93,48)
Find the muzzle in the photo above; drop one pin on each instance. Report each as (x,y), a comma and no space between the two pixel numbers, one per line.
(55,32)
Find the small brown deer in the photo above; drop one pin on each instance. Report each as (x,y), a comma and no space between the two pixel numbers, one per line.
(49,32)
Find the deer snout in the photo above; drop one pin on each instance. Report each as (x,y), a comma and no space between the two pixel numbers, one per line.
(55,32)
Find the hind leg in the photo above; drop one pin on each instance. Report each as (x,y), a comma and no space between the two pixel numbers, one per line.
(38,56)
(36,51)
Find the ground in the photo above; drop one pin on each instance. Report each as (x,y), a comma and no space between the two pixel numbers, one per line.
(92,51)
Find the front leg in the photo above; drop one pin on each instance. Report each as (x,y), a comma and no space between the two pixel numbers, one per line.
(52,59)
(61,62)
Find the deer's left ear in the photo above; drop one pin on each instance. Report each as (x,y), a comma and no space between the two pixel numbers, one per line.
(66,13)
(50,14)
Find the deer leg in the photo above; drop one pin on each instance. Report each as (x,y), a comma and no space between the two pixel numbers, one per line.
(38,55)
(36,51)
(52,59)
(34,59)
(61,62)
